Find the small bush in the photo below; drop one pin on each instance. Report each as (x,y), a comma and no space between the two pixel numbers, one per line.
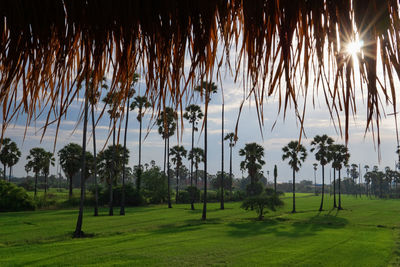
(254,189)
(132,196)
(211,196)
(45,201)
(14,198)
(262,202)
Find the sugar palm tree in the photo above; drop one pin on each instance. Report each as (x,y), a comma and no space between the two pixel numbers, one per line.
(252,162)
(297,154)
(232,142)
(321,146)
(129,94)
(70,161)
(13,157)
(334,148)
(206,89)
(315,177)
(275,177)
(166,128)
(366,167)
(9,155)
(177,153)
(94,95)
(341,158)
(141,103)
(197,156)
(48,160)
(193,114)
(112,101)
(35,163)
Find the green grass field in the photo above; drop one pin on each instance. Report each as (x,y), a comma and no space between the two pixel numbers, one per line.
(366,233)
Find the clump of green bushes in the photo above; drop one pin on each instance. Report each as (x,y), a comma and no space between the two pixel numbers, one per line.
(14,198)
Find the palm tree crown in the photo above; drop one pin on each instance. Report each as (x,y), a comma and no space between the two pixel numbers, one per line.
(296,153)
(253,161)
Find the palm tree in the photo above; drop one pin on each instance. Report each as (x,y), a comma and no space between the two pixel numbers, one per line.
(275,177)
(166,128)
(253,162)
(232,142)
(341,158)
(13,156)
(193,114)
(197,156)
(70,160)
(335,165)
(323,155)
(9,155)
(315,177)
(129,94)
(111,100)
(296,153)
(94,95)
(177,153)
(205,89)
(141,103)
(4,155)
(366,167)
(48,159)
(35,163)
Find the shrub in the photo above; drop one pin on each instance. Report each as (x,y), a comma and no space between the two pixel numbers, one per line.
(14,198)
(211,196)
(262,202)
(154,185)
(45,201)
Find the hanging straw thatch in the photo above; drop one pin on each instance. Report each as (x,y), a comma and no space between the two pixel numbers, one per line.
(49,47)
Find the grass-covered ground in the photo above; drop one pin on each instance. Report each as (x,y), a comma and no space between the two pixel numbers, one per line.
(366,233)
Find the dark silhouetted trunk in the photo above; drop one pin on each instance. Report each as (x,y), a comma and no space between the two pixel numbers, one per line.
(321,208)
(112,177)
(222,160)
(36,178)
(139,177)
(340,195)
(96,190)
(191,160)
(165,154)
(169,178)
(122,210)
(70,187)
(230,171)
(204,214)
(45,184)
(334,188)
(78,230)
(294,191)
(9,173)
(4,172)
(177,184)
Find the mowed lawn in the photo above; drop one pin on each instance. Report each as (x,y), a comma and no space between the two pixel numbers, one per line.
(366,233)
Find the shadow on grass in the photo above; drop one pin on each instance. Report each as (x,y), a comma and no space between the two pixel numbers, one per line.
(185,226)
(287,227)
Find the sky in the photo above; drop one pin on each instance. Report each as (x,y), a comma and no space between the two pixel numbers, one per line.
(362,145)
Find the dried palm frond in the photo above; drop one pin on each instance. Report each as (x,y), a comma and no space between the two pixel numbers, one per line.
(48,48)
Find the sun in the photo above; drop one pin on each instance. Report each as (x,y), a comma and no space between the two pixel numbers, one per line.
(354,47)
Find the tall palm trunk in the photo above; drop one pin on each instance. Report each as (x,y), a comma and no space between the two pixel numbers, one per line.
(96,190)
(9,173)
(334,188)
(294,191)
(122,210)
(230,171)
(78,230)
(177,184)
(222,160)
(204,214)
(112,177)
(4,172)
(340,195)
(45,184)
(191,160)
(70,187)
(168,175)
(36,178)
(139,178)
(321,208)
(197,175)
(165,153)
